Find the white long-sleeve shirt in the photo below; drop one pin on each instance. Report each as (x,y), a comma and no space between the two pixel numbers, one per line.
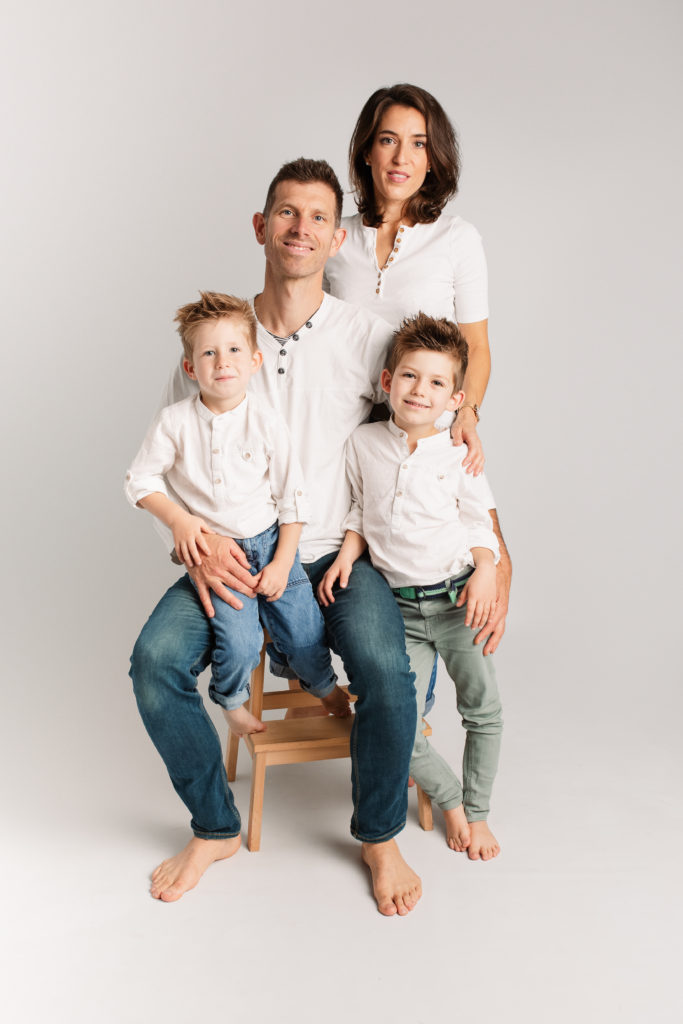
(237,470)
(324,381)
(421,513)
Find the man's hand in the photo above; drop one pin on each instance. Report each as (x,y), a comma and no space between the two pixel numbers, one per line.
(480,594)
(225,566)
(493,630)
(464,431)
(272,580)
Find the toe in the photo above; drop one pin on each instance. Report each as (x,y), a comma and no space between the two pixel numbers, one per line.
(387,907)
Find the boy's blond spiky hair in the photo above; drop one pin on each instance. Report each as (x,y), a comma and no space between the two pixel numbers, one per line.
(213,306)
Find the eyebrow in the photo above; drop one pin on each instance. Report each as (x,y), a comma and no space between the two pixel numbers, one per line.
(390,131)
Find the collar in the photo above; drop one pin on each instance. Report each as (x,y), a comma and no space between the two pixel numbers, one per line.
(440,440)
(205,414)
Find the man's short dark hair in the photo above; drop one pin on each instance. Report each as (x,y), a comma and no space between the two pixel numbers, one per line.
(307,172)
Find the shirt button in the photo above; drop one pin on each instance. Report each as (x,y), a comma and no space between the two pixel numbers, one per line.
(404,466)
(283,351)
(308,323)
(217,480)
(295,337)
(280,370)
(299,493)
(247,455)
(399,494)
(396,249)
(216,451)
(400,229)
(391,258)
(442,476)
(376,293)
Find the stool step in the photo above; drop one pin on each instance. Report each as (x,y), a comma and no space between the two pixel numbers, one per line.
(295,733)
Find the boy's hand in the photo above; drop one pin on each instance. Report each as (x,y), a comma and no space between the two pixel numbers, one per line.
(464,431)
(339,570)
(187,537)
(272,580)
(480,594)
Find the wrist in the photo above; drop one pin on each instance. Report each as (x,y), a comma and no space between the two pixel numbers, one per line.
(467,411)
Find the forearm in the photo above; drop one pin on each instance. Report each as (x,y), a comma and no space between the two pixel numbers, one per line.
(505,564)
(162,507)
(287,544)
(478,363)
(352,547)
(482,557)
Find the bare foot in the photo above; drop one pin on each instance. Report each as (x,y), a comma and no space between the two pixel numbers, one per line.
(337,703)
(457,829)
(411,782)
(242,722)
(174,877)
(483,843)
(396,887)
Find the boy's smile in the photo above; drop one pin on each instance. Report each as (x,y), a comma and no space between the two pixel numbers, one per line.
(222,363)
(421,390)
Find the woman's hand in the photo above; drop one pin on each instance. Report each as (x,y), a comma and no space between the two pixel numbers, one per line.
(464,431)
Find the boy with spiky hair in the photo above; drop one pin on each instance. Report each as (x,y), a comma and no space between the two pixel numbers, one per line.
(222,462)
(426,525)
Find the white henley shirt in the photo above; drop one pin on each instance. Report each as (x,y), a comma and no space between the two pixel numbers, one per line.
(237,470)
(421,513)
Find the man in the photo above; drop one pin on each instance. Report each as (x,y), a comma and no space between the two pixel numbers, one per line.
(321,369)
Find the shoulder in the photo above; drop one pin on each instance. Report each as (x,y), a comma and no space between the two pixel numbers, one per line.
(368,437)
(355,321)
(178,412)
(462,236)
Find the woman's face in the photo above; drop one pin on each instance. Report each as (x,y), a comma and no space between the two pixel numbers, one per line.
(398,158)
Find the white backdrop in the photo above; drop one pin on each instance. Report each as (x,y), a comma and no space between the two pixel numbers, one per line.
(139,139)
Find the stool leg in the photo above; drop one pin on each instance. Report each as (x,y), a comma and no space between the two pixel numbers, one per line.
(424,810)
(231,755)
(258,782)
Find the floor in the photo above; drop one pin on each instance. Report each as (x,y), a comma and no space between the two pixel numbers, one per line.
(576,920)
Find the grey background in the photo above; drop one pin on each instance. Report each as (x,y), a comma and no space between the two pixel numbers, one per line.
(139,139)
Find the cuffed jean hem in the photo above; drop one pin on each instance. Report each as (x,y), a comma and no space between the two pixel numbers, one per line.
(449,805)
(215,835)
(377,839)
(229,703)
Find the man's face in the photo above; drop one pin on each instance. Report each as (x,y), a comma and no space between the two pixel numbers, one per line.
(299,234)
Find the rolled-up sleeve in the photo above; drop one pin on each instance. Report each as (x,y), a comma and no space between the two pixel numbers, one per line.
(286,476)
(354,518)
(156,456)
(473,495)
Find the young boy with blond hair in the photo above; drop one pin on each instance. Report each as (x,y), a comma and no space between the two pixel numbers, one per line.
(222,462)
(426,525)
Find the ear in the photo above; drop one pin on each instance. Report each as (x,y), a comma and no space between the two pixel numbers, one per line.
(259,223)
(337,239)
(256,360)
(456,400)
(189,369)
(385,381)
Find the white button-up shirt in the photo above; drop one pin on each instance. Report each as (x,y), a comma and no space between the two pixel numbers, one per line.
(236,470)
(421,513)
(324,381)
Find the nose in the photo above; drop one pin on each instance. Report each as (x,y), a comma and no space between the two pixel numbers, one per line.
(399,153)
(298,227)
(418,386)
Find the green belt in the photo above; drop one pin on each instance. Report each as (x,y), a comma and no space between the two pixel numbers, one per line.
(451,587)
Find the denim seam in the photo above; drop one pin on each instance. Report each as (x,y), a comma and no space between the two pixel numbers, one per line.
(215,835)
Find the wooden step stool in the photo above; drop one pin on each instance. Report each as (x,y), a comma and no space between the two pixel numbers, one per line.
(292,741)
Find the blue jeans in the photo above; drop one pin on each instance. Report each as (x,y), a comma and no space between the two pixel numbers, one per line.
(293,621)
(364,625)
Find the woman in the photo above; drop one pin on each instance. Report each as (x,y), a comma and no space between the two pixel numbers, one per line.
(402,253)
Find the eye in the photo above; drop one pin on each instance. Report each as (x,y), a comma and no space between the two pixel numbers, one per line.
(385,140)
(286,212)
(235,348)
(408,374)
(420,143)
(439,383)
(209,352)
(319,217)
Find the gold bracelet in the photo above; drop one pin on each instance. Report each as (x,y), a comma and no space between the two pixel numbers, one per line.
(470,405)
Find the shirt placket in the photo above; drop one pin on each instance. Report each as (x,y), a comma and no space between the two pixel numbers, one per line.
(381,271)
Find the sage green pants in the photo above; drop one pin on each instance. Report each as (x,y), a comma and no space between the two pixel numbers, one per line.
(433,626)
